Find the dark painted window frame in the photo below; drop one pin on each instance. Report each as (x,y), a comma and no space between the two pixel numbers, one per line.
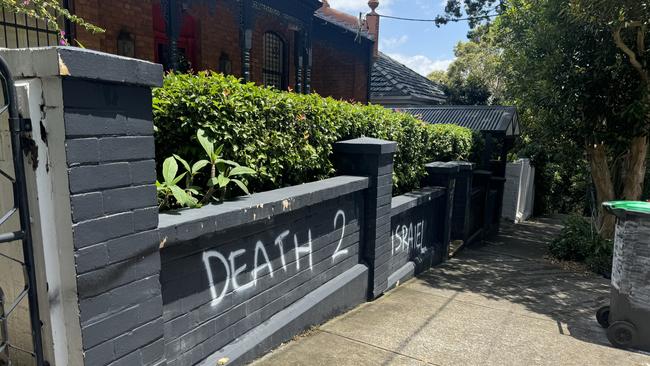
(284,72)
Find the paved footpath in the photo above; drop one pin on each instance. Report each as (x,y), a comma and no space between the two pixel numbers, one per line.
(499,304)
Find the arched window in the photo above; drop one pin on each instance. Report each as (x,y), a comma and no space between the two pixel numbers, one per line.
(273,69)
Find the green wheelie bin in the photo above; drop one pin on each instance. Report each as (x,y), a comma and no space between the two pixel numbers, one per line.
(627,318)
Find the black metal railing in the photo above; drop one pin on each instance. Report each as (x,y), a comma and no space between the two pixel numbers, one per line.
(18,127)
(23,31)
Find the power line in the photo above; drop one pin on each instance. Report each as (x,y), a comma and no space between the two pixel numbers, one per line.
(488,16)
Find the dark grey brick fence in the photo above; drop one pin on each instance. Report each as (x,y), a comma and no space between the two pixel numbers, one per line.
(96,112)
(223,283)
(255,258)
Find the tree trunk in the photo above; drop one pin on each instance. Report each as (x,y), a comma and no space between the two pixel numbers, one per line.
(635,169)
(602,178)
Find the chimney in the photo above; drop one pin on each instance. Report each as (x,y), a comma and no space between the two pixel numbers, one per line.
(372,20)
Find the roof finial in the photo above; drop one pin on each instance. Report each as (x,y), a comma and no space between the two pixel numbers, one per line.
(373,4)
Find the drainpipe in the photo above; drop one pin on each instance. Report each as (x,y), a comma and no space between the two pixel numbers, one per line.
(173,19)
(371,62)
(372,23)
(246,39)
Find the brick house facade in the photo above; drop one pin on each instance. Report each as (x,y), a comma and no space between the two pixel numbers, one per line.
(343,49)
(320,50)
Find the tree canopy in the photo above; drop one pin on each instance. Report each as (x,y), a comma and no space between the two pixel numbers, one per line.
(472,79)
(581,98)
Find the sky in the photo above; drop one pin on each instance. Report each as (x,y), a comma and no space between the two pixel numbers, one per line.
(421,46)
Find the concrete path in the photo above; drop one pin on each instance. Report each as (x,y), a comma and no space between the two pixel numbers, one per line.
(499,304)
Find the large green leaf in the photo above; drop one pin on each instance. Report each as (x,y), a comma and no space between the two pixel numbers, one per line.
(228,162)
(170,168)
(183,198)
(178,179)
(223,181)
(241,185)
(185,164)
(207,145)
(217,152)
(241,170)
(199,165)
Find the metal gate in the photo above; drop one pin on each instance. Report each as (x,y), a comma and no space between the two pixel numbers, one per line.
(17,126)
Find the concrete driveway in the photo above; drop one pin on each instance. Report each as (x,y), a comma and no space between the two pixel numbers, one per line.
(498,304)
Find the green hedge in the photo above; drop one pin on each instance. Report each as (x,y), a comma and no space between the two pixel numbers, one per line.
(288,137)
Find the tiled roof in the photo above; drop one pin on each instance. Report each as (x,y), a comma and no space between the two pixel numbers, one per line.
(479,118)
(343,20)
(391,79)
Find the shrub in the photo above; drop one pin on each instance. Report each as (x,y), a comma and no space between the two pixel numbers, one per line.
(578,241)
(182,190)
(287,138)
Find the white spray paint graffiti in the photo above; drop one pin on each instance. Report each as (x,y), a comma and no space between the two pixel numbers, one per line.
(409,236)
(305,249)
(259,248)
(279,242)
(338,252)
(261,263)
(216,298)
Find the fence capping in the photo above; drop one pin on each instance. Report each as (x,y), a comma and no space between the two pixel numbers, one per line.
(365,145)
(440,167)
(187,224)
(416,198)
(485,173)
(82,63)
(464,165)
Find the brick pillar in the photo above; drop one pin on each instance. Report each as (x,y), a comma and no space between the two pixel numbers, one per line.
(372,158)
(462,201)
(444,175)
(96,161)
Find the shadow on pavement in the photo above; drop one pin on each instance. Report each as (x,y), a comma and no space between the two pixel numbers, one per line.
(512,267)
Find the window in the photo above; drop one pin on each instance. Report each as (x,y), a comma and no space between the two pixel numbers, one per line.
(273,70)
(126,44)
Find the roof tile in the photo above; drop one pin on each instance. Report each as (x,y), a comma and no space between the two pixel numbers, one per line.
(393,79)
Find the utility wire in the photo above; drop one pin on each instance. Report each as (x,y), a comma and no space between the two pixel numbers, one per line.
(488,16)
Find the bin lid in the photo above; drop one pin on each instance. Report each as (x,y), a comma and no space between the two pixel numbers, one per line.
(621,208)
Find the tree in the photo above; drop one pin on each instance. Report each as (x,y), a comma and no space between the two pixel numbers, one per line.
(628,21)
(438,76)
(47,10)
(564,60)
(472,79)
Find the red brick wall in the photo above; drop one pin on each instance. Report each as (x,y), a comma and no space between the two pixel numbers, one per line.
(342,74)
(217,33)
(133,16)
(338,70)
